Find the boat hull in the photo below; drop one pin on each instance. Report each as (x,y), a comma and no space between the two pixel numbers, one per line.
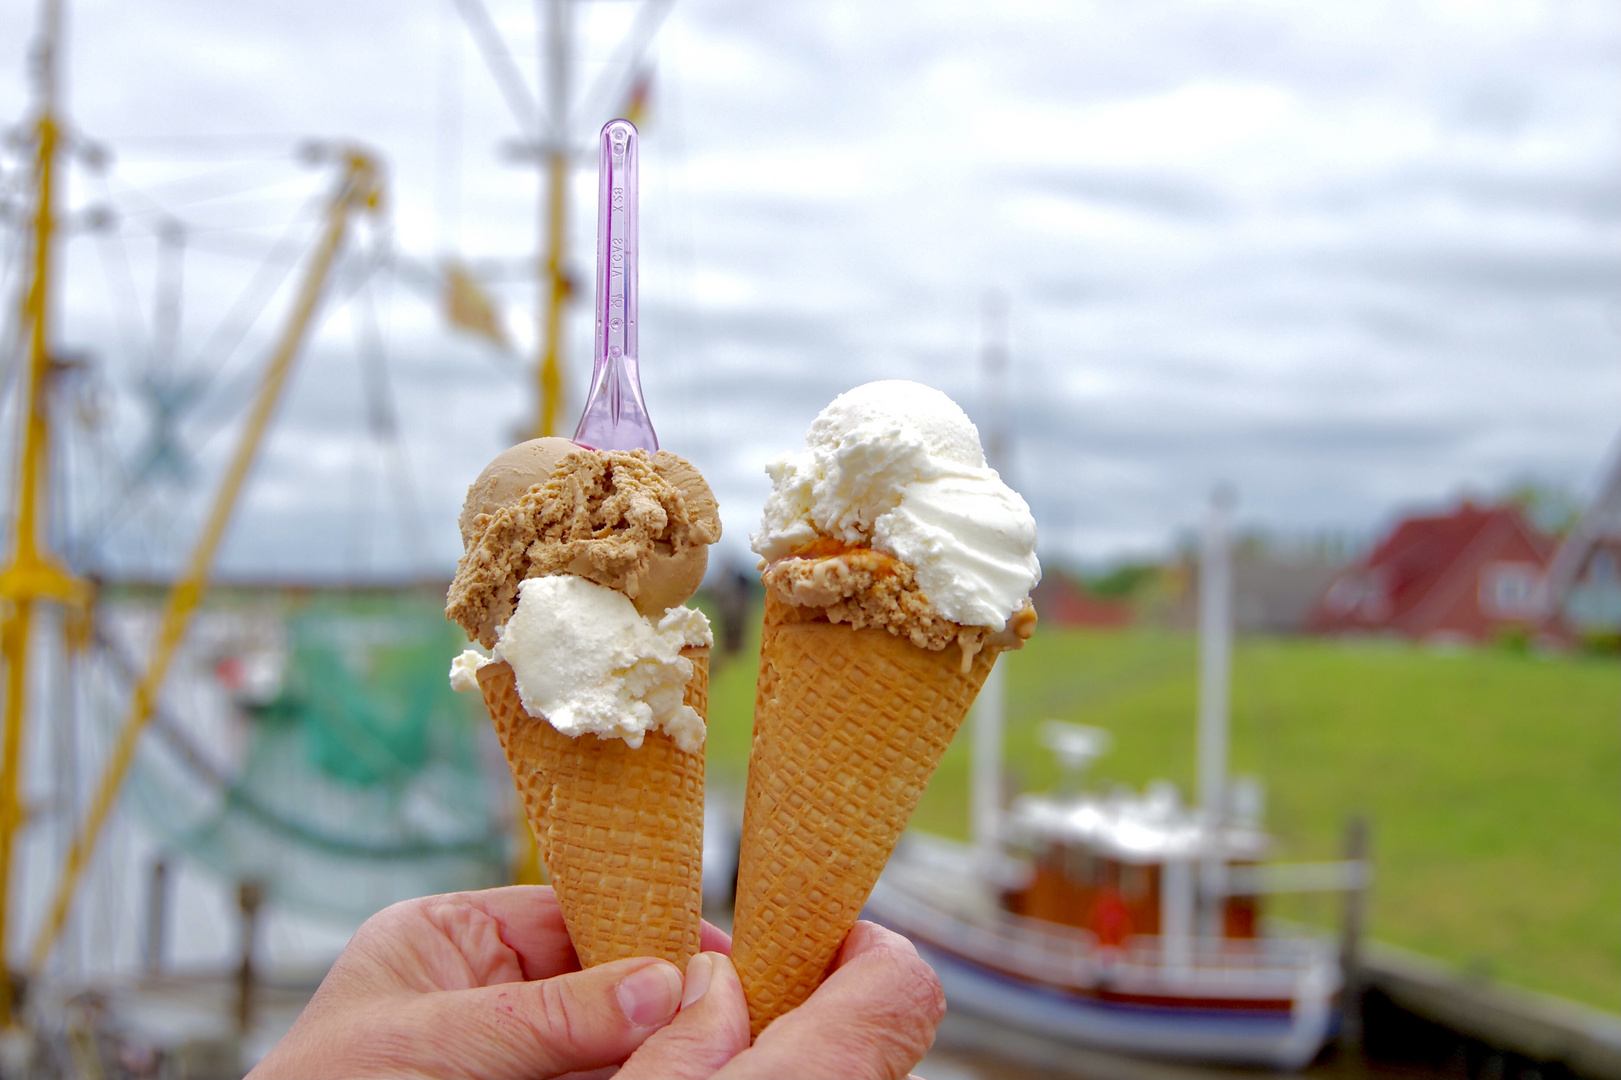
(1231,1034)
(1268,1002)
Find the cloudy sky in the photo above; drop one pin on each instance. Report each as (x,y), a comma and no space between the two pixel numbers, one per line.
(1348,258)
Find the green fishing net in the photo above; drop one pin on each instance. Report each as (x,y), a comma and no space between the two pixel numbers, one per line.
(363,781)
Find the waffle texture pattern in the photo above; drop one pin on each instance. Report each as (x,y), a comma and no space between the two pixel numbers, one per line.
(621,831)
(849,726)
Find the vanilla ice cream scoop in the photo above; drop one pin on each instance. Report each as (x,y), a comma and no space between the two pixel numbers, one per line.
(897,466)
(585,659)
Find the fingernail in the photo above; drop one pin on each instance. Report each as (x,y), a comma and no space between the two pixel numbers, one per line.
(650,996)
(700,969)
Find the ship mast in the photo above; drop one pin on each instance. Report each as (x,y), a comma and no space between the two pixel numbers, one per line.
(1215,657)
(548,141)
(989,707)
(32,574)
(358,189)
(554,282)
(1215,693)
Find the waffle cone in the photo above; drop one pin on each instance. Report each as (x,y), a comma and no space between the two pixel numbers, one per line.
(621,831)
(849,726)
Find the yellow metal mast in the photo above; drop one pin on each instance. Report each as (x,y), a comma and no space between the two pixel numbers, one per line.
(358,188)
(554,293)
(555,287)
(31,574)
(547,142)
(554,282)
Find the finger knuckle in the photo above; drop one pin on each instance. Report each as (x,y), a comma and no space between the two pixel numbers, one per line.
(380,922)
(915,1006)
(553,1019)
(387,923)
(933,995)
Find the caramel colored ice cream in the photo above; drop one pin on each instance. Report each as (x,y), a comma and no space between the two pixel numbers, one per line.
(636,523)
(864,587)
(890,518)
(513,472)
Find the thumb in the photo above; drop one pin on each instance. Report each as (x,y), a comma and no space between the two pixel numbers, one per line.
(583,1020)
(711,1029)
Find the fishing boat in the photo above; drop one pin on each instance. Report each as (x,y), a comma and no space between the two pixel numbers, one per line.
(1120,920)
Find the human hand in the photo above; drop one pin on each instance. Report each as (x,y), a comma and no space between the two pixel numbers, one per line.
(446,986)
(874,1016)
(480,984)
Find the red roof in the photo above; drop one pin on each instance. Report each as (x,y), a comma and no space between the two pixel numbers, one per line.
(1061,601)
(1428,576)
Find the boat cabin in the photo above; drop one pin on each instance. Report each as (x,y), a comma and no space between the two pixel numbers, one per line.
(1124,865)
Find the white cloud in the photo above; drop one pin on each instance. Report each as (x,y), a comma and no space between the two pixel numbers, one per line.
(1345,256)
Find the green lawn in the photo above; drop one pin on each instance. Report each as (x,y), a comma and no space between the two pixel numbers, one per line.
(1492,779)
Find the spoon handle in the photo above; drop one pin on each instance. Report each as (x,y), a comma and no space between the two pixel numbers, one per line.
(615,416)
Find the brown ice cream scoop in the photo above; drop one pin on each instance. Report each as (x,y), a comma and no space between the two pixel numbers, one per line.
(514,471)
(636,522)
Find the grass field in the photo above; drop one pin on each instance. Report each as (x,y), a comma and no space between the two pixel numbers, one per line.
(1492,779)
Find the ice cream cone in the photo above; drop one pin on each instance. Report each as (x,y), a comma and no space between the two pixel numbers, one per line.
(621,831)
(849,726)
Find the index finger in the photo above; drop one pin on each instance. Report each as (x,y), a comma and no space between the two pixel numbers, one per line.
(712,938)
(530,923)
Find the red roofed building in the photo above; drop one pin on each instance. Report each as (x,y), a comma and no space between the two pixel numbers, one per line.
(1465,576)
(1062,601)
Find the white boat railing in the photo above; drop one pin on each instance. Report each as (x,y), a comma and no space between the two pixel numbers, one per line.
(1055,954)
(1271,967)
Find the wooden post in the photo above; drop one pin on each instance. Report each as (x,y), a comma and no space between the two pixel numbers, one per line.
(157,916)
(1351,930)
(249,896)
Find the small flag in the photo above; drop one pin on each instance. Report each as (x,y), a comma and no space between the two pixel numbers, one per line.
(469,307)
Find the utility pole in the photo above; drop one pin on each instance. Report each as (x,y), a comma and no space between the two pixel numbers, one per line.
(32,574)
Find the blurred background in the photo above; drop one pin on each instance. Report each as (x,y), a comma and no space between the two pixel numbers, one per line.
(1359,266)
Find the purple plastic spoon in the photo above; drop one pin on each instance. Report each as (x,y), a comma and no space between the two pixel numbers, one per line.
(615,416)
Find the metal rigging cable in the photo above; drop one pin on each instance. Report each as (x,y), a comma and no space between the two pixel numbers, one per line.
(226,339)
(381,412)
(12,327)
(204,767)
(167,198)
(233,393)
